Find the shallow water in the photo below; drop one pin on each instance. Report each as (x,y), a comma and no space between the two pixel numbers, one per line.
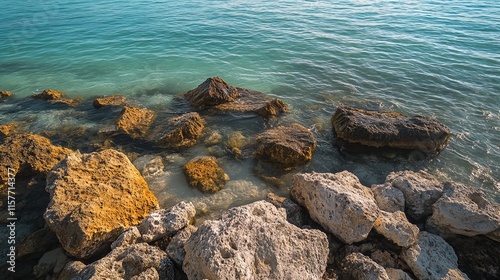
(433,58)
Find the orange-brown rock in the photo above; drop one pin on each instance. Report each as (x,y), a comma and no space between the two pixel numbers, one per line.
(205,174)
(286,146)
(254,101)
(211,92)
(7,129)
(181,131)
(134,121)
(112,100)
(5,93)
(390,129)
(49,94)
(94,198)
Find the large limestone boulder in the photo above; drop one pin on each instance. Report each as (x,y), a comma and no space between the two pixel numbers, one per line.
(432,258)
(255,242)
(138,261)
(181,131)
(112,100)
(466,211)
(211,92)
(360,267)
(95,197)
(390,129)
(28,155)
(396,228)
(205,174)
(286,146)
(134,121)
(421,190)
(338,202)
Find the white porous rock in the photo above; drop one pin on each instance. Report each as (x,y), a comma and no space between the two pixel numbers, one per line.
(127,238)
(388,198)
(175,249)
(432,258)
(396,228)
(166,222)
(397,274)
(338,202)
(360,267)
(420,190)
(465,211)
(255,241)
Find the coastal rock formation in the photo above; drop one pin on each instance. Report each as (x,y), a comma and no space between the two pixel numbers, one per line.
(432,258)
(28,155)
(181,131)
(255,242)
(389,198)
(175,249)
(396,228)
(52,262)
(138,261)
(338,202)
(36,243)
(95,197)
(129,237)
(205,174)
(166,222)
(211,92)
(134,121)
(218,94)
(112,100)
(286,146)
(360,267)
(466,211)
(49,94)
(295,214)
(397,274)
(7,129)
(390,129)
(420,189)
(5,93)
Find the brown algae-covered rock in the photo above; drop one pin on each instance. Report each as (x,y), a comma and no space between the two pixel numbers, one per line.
(112,100)
(286,146)
(5,93)
(7,129)
(94,198)
(211,92)
(181,131)
(49,94)
(134,121)
(390,129)
(205,174)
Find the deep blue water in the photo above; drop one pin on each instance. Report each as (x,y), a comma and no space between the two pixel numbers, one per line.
(436,58)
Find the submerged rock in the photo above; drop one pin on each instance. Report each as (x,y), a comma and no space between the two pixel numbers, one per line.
(360,267)
(432,258)
(338,202)
(138,261)
(95,197)
(112,100)
(420,190)
(465,211)
(181,131)
(5,93)
(49,94)
(211,92)
(255,242)
(286,147)
(205,174)
(134,121)
(390,129)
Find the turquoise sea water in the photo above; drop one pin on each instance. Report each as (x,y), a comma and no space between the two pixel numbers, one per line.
(436,58)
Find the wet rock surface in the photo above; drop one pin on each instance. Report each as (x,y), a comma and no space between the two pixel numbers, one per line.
(49,94)
(211,92)
(338,202)
(205,174)
(134,121)
(286,146)
(5,93)
(390,129)
(112,100)
(271,248)
(94,197)
(181,131)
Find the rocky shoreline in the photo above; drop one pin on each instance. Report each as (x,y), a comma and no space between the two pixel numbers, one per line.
(101,220)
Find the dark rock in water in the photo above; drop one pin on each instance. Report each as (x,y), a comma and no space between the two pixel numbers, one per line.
(205,174)
(272,108)
(95,197)
(5,93)
(211,92)
(134,121)
(7,129)
(67,101)
(286,147)
(49,94)
(112,100)
(390,129)
(181,131)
